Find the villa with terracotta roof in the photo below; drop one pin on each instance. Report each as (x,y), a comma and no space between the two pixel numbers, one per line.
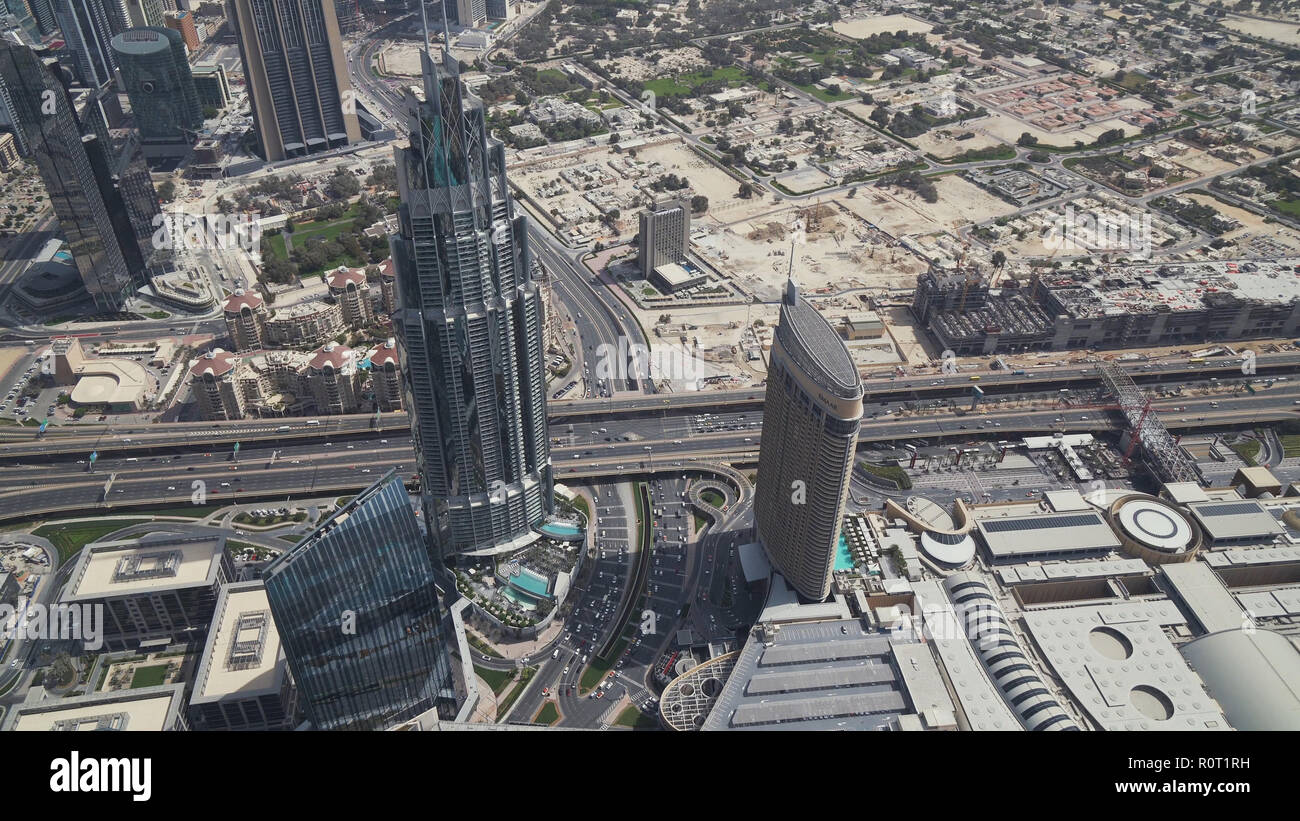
(386,373)
(349,288)
(246,316)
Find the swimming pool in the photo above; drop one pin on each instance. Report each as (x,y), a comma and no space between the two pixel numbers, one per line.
(843,561)
(563,530)
(530,582)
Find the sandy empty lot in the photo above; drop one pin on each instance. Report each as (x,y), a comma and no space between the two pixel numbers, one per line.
(1251,223)
(900,211)
(863,27)
(1282,32)
(942,142)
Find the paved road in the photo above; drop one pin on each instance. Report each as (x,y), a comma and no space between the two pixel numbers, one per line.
(650,446)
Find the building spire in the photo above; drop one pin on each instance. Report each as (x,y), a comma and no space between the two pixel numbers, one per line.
(791,287)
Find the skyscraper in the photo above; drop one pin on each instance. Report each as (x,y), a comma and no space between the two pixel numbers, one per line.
(88,27)
(469,319)
(358,616)
(25,18)
(466,13)
(156,77)
(43,12)
(811,415)
(297,76)
(665,234)
(75,169)
(142,13)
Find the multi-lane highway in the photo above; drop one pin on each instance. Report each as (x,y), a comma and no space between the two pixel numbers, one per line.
(653,445)
(17,442)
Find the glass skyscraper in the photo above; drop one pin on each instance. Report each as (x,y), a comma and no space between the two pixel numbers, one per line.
(88,27)
(157,78)
(76,170)
(357,611)
(469,321)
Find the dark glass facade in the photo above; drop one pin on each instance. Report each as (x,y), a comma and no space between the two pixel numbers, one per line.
(73,169)
(157,78)
(358,615)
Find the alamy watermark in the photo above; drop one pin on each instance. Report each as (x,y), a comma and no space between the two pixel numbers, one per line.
(1100,231)
(632,360)
(212,231)
(33,621)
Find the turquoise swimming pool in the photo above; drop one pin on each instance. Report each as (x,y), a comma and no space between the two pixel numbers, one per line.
(522,599)
(562,530)
(843,561)
(530,582)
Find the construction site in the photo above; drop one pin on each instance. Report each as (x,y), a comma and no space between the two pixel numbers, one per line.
(1109,307)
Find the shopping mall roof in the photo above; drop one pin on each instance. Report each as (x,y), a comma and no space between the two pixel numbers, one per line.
(1121,669)
(1047,533)
(824,675)
(1235,520)
(1254,675)
(1207,601)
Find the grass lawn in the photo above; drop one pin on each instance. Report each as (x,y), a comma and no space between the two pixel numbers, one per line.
(184,511)
(548,715)
(1289,207)
(323,231)
(637,720)
(292,538)
(150,676)
(714,498)
(889,472)
(824,95)
(69,538)
(1291,445)
(679,86)
(503,706)
(1247,450)
(496,679)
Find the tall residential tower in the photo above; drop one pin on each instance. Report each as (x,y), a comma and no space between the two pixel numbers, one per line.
(470,320)
(811,415)
(88,26)
(297,76)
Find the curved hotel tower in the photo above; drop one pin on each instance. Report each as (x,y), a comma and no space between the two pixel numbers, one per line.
(811,415)
(469,322)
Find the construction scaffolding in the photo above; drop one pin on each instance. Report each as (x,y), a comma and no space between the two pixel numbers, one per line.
(1163,455)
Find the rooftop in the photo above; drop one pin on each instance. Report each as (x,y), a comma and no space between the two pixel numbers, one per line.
(828,675)
(1047,533)
(148,709)
(148,564)
(1201,592)
(243,654)
(1235,520)
(816,348)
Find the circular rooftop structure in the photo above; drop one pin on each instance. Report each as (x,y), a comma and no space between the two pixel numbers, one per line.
(1154,530)
(948,549)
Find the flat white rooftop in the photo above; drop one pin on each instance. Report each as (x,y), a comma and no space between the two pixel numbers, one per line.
(243,652)
(133,566)
(145,710)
